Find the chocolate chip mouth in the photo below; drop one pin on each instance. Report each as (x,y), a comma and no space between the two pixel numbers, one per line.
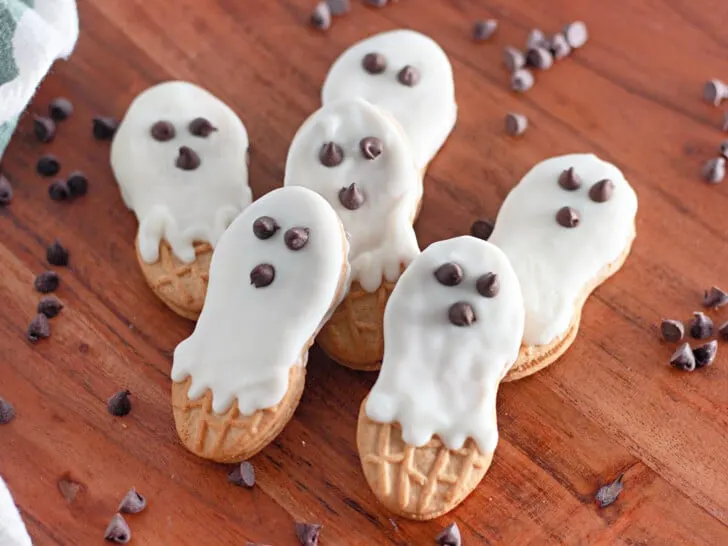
(187,159)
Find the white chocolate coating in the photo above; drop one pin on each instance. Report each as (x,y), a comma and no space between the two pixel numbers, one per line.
(380,231)
(247,338)
(438,378)
(180,206)
(554,264)
(426,111)
(12,528)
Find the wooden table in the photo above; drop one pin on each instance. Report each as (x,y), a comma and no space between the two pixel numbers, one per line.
(611,405)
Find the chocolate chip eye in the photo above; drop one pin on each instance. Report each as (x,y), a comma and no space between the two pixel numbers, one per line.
(262,275)
(201,127)
(461,314)
(352,198)
(488,285)
(449,274)
(569,180)
(601,191)
(409,76)
(163,131)
(331,154)
(371,147)
(296,238)
(568,217)
(265,227)
(374,63)
(187,159)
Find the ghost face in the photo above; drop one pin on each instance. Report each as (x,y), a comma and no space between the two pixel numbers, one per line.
(180,157)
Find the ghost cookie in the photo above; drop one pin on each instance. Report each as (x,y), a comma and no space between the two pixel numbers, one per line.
(276,274)
(357,157)
(566,227)
(180,158)
(407,74)
(453,327)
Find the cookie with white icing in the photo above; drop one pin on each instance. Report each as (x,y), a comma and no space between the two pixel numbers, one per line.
(452,329)
(407,74)
(357,157)
(180,157)
(276,274)
(566,227)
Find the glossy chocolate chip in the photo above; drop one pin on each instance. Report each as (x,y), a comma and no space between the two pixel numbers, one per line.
(187,160)
(482,229)
(60,109)
(44,128)
(705,354)
(7,411)
(163,131)
(351,197)
(488,285)
(461,313)
(262,275)
(201,127)
(449,274)
(567,217)
(39,328)
(265,227)
(569,180)
(331,154)
(559,47)
(683,358)
(409,76)
(484,30)
(242,474)
(672,330)
(77,184)
(48,165)
(701,326)
(601,191)
(308,533)
(50,306)
(6,191)
(46,282)
(374,63)
(715,298)
(58,190)
(296,238)
(104,127)
(118,530)
(321,16)
(132,503)
(57,254)
(371,147)
(449,536)
(119,404)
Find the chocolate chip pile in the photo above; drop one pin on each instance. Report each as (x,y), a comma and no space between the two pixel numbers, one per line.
(49,306)
(324,11)
(713,171)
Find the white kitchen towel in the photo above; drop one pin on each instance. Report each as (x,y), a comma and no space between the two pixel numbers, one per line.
(12,528)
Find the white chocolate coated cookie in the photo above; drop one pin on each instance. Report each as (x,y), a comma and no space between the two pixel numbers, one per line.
(441,368)
(410,76)
(256,323)
(176,196)
(357,158)
(556,264)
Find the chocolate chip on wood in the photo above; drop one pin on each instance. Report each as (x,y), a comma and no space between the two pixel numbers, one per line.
(513,58)
(701,326)
(321,16)
(607,494)
(515,124)
(536,38)
(723,331)
(132,503)
(714,91)
(104,127)
(672,330)
(39,328)
(559,47)
(57,254)
(484,29)
(46,282)
(540,58)
(7,411)
(522,80)
(308,533)
(714,170)
(58,190)
(576,34)
(449,536)
(705,354)
(242,474)
(60,109)
(48,165)
(482,229)
(77,184)
(6,191)
(119,405)
(44,128)
(118,530)
(724,146)
(715,298)
(50,306)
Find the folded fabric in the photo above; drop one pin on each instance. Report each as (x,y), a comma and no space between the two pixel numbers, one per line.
(12,528)
(33,34)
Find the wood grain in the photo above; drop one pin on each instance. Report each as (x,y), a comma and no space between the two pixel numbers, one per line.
(611,405)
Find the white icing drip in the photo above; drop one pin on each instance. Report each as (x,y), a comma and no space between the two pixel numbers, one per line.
(247,338)
(12,528)
(380,231)
(172,204)
(438,378)
(554,264)
(427,111)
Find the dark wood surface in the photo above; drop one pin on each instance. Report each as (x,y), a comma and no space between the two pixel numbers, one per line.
(611,405)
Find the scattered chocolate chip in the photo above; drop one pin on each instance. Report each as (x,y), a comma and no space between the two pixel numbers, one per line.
(522,80)
(58,190)
(49,306)
(374,63)
(461,313)
(77,184)
(104,127)
(262,275)
(46,282)
(56,254)
(482,229)
(201,127)
(351,197)
(163,131)
(331,154)
(715,298)
(725,122)
(449,274)
(119,404)
(701,326)
(539,58)
(484,30)
(513,58)
(536,38)
(567,217)
(714,170)
(559,47)
(449,536)
(339,7)
(672,330)
(7,411)
(68,487)
(607,494)
(723,331)
(308,533)
(321,16)
(242,474)
(409,76)
(371,147)
(724,149)
(683,358)
(516,124)
(576,34)
(296,238)
(376,3)
(39,328)
(488,285)
(601,191)
(118,530)
(187,160)
(705,354)
(265,227)
(48,165)
(60,109)
(714,91)
(6,191)
(132,503)
(44,128)
(569,180)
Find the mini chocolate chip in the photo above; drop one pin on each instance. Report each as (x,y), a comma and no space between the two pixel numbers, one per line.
(321,16)
(339,7)
(296,238)
(163,131)
(242,474)
(46,282)
(559,47)
(77,184)
(118,530)
(715,298)
(568,217)
(44,128)
(265,227)
(484,30)
(60,109)
(187,160)
(482,229)
(513,58)
(262,275)
(701,326)
(409,76)
(449,274)
(672,330)
(58,190)
(449,536)
(7,411)
(308,533)
(724,145)
(607,494)
(540,58)
(576,34)
(56,254)
(48,165)
(331,154)
(50,306)
(119,404)
(714,170)
(132,503)
(723,331)
(488,285)
(351,197)
(522,80)
(201,127)
(39,328)
(6,191)
(714,91)
(104,127)
(536,38)
(705,354)
(461,313)
(515,124)
(569,180)
(374,63)
(371,147)
(601,191)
